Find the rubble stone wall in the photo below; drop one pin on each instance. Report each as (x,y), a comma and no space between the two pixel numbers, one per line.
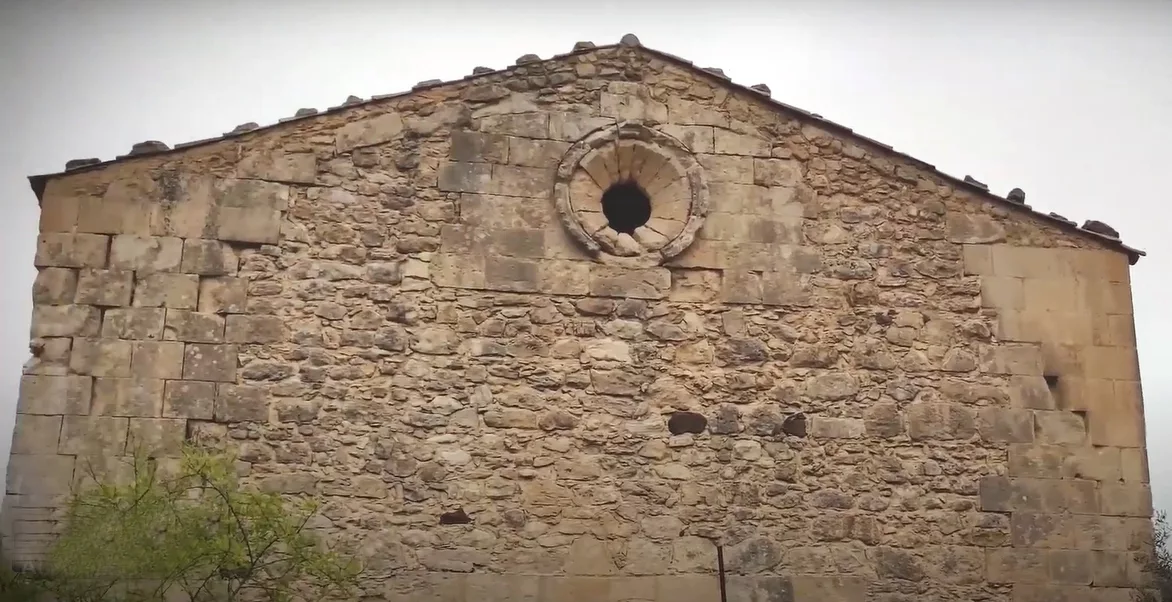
(864,383)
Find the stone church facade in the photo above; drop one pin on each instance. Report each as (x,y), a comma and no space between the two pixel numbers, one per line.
(556,332)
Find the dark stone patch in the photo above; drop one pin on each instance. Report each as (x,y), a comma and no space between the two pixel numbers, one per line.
(686,422)
(456,517)
(795,425)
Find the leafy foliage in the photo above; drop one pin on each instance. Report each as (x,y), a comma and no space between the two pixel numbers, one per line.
(1159,563)
(192,529)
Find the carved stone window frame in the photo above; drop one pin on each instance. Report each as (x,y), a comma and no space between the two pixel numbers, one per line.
(660,164)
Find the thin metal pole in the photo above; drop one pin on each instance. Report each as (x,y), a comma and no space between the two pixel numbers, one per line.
(720,567)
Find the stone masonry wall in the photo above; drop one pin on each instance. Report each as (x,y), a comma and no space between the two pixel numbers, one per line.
(882,388)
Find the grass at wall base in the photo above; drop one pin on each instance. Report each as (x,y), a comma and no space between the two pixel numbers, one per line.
(190,532)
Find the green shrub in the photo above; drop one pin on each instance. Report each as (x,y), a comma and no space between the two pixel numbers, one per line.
(1158,564)
(192,529)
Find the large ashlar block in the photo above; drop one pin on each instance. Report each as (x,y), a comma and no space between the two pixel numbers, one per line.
(59,212)
(156,436)
(973,228)
(1012,358)
(727,168)
(157,359)
(189,399)
(477,147)
(125,208)
(1125,499)
(193,327)
(65,321)
(225,295)
(71,250)
(93,435)
(36,434)
(210,362)
(1016,565)
(492,212)
(177,291)
(258,225)
(278,165)
(100,357)
(208,258)
(1005,494)
(135,396)
(696,138)
(241,403)
(646,283)
(368,131)
(145,323)
(1029,262)
(146,254)
(1003,292)
(55,286)
(690,112)
(1113,363)
(726,142)
(52,394)
(106,288)
(529,152)
(575,126)
(39,474)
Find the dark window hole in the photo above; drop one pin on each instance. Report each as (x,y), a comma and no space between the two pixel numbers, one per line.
(626,207)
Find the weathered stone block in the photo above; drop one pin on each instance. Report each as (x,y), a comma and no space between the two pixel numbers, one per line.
(59,212)
(939,421)
(157,359)
(1117,420)
(133,323)
(193,327)
(1031,392)
(466,177)
(209,362)
(71,250)
(1016,565)
(157,437)
(647,283)
(178,291)
(1005,425)
(509,274)
(100,357)
(93,435)
(1025,360)
(830,588)
(368,132)
(208,258)
(726,168)
(476,147)
(36,434)
(1125,499)
(39,475)
(278,165)
(1070,566)
(109,288)
(1134,465)
(65,321)
(684,588)
(258,225)
(574,126)
(55,286)
(1062,428)
(189,399)
(255,329)
(564,277)
(51,394)
(146,254)
(138,397)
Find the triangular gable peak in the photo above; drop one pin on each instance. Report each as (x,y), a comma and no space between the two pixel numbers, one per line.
(480,86)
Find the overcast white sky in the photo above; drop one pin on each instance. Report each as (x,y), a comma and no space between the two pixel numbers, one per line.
(1070,101)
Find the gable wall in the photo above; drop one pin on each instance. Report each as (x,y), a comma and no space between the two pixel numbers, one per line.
(383,307)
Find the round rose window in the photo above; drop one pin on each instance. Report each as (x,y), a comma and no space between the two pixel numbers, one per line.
(631,194)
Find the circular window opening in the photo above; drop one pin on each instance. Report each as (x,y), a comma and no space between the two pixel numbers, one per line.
(626,207)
